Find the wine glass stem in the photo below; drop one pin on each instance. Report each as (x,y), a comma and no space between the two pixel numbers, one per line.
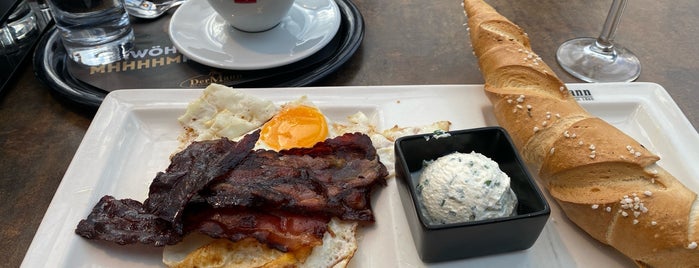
(606,38)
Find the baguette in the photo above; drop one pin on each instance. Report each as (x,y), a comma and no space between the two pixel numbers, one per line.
(605,181)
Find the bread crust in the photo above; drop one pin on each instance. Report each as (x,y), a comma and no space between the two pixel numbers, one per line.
(606,182)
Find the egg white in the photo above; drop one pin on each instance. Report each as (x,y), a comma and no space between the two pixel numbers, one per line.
(223,112)
(226,112)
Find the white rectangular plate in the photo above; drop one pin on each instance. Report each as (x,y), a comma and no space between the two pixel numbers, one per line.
(135,131)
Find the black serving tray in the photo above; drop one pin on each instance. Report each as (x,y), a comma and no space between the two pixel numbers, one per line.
(85,88)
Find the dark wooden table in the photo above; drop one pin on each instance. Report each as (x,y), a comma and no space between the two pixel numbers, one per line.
(407,42)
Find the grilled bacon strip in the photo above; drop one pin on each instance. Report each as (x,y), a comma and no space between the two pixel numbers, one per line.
(333,178)
(223,189)
(190,171)
(124,222)
(281,230)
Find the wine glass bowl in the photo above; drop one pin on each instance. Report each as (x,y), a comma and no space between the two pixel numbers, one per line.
(600,59)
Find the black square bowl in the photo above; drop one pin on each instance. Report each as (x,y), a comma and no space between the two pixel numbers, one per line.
(443,242)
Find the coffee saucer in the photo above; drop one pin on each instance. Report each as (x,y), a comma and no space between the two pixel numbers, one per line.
(199,33)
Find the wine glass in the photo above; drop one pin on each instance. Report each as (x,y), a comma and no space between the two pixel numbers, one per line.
(600,59)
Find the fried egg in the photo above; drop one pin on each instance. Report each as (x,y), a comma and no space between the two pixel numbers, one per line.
(197,250)
(298,124)
(222,111)
(225,112)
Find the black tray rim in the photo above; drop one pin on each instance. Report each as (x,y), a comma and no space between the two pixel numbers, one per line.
(53,71)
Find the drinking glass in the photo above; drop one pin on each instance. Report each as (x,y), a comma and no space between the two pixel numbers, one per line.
(600,59)
(20,26)
(94,32)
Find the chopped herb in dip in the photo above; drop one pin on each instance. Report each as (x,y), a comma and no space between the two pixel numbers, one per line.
(461,187)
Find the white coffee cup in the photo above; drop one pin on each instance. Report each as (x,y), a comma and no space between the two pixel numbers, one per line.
(252,15)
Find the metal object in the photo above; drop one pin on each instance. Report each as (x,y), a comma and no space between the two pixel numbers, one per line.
(148,9)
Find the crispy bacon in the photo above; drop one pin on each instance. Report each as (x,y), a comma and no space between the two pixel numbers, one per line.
(190,171)
(333,178)
(124,222)
(278,229)
(223,189)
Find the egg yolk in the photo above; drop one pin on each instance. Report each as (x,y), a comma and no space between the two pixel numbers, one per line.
(295,127)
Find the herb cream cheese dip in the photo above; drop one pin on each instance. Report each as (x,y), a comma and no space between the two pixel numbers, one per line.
(463,187)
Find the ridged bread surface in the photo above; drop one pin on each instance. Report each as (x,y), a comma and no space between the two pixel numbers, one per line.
(605,181)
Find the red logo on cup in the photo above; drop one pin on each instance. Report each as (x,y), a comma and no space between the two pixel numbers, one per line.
(245,1)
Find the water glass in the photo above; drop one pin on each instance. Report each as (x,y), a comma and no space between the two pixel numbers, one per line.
(20,26)
(94,32)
